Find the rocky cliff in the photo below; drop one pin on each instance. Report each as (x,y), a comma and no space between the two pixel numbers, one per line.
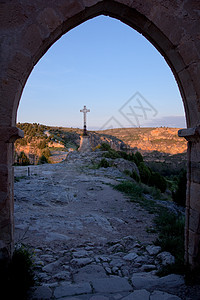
(164,140)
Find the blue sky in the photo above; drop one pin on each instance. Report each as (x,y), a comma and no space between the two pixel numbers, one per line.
(113,70)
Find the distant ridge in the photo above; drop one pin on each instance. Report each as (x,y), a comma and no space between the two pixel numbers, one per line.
(162,139)
(55,142)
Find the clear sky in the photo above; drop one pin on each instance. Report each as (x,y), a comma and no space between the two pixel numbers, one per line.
(113,70)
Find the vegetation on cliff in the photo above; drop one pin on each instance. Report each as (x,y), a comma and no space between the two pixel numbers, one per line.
(163,139)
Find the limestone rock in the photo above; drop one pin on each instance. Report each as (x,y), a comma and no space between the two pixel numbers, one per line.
(50,267)
(152,282)
(98,297)
(131,256)
(63,275)
(123,165)
(41,292)
(138,295)
(166,258)
(158,295)
(80,262)
(67,289)
(80,254)
(153,250)
(116,248)
(111,285)
(89,273)
(148,267)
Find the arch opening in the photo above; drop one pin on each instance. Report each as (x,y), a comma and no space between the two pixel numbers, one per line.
(34,38)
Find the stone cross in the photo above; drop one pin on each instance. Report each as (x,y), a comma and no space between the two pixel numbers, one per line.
(84,111)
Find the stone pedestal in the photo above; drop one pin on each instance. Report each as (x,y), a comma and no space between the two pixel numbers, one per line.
(85,144)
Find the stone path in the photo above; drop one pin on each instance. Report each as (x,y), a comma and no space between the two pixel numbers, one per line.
(90,242)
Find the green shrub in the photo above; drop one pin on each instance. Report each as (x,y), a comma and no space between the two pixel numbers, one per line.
(112,154)
(179,196)
(23,160)
(123,155)
(23,142)
(139,157)
(135,176)
(103,163)
(158,181)
(171,238)
(105,147)
(42,144)
(43,160)
(17,276)
(130,188)
(46,152)
(145,173)
(127,172)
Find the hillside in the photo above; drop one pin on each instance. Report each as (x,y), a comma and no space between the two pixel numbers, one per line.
(162,139)
(55,142)
(51,144)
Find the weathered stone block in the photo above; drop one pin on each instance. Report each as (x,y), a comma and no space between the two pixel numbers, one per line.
(153,250)
(32,40)
(48,21)
(187,82)
(69,8)
(195,172)
(12,15)
(195,151)
(194,71)
(194,243)
(138,295)
(152,282)
(195,196)
(194,221)
(67,289)
(175,60)
(188,50)
(20,66)
(158,295)
(111,285)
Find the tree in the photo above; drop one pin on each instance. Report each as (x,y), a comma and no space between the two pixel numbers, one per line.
(139,156)
(42,144)
(23,160)
(105,147)
(179,196)
(42,160)
(158,181)
(145,173)
(46,153)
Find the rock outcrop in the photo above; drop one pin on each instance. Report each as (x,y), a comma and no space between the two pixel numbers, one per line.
(164,140)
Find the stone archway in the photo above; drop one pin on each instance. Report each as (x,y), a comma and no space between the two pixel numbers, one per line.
(28,30)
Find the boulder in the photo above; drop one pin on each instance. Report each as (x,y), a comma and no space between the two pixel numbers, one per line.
(153,250)
(157,295)
(165,258)
(111,285)
(130,257)
(138,295)
(151,282)
(89,273)
(123,165)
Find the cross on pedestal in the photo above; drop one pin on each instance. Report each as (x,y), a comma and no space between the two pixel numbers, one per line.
(84,111)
